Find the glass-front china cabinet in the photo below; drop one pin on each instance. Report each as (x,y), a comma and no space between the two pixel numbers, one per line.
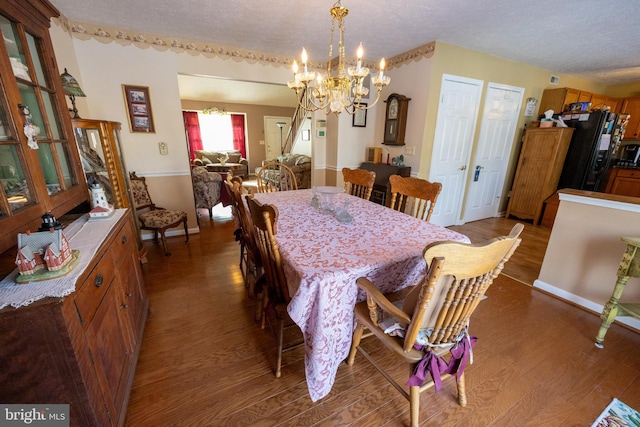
(99,145)
(40,167)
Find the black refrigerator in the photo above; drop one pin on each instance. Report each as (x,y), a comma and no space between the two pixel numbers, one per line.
(590,150)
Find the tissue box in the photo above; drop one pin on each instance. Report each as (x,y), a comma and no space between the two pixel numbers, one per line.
(548,124)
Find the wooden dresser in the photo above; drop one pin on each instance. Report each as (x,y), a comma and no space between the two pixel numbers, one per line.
(538,172)
(80,349)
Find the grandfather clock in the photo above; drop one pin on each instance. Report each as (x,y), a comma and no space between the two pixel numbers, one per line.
(395,123)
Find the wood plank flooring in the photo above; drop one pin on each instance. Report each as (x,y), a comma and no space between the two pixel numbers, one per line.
(204,362)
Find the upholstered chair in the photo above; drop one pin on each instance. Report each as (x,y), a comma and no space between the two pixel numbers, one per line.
(152,217)
(206,188)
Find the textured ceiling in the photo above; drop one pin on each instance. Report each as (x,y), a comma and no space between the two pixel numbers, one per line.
(594,39)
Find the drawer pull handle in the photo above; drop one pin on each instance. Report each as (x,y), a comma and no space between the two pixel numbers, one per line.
(128,294)
(124,239)
(99,279)
(124,306)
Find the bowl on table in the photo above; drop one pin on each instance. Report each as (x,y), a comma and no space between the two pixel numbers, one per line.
(326,194)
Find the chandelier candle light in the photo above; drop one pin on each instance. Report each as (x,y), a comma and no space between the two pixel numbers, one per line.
(334,93)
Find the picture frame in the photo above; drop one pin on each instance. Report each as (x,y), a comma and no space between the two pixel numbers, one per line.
(138,102)
(306,134)
(360,117)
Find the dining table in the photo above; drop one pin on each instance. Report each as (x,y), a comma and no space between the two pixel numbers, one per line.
(323,257)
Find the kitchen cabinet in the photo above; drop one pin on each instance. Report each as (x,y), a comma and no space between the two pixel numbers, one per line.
(624,182)
(81,349)
(559,99)
(39,162)
(632,107)
(538,171)
(600,101)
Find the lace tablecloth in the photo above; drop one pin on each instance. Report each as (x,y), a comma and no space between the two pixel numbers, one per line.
(322,259)
(83,235)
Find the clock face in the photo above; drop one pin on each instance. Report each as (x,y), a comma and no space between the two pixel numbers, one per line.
(393,108)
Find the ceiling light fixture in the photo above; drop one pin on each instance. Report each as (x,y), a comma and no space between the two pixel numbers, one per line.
(343,91)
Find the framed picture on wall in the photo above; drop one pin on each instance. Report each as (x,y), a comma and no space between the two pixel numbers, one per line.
(138,102)
(360,117)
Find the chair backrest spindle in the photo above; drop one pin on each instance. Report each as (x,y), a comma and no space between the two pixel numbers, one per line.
(358,182)
(414,196)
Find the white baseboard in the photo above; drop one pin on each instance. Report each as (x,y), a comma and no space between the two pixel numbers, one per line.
(148,235)
(585,303)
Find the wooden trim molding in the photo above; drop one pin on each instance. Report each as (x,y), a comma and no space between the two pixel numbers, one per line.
(106,34)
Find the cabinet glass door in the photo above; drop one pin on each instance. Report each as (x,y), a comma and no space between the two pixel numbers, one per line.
(17,190)
(39,162)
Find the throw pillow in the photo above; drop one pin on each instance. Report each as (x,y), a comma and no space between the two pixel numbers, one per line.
(198,162)
(206,161)
(234,158)
(303,159)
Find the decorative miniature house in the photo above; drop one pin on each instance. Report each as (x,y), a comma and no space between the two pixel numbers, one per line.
(101,207)
(44,249)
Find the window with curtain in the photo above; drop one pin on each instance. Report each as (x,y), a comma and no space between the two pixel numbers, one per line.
(216,131)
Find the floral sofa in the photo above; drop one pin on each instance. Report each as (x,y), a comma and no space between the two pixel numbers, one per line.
(300,164)
(204,158)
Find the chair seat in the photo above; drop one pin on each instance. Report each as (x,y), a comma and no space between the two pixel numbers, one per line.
(161,218)
(393,343)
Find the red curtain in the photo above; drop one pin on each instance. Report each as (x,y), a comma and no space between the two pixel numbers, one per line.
(237,124)
(192,127)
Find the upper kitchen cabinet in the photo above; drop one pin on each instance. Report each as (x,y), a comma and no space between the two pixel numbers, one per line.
(559,100)
(39,161)
(632,107)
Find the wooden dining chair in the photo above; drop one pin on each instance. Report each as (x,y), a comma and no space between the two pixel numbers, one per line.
(414,196)
(250,261)
(276,295)
(155,218)
(433,318)
(358,182)
(275,176)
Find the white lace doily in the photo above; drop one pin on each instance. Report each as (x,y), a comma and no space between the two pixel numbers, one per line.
(83,235)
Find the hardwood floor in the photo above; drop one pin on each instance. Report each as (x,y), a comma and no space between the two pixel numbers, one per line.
(204,362)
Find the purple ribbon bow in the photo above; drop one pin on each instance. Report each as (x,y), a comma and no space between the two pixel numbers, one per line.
(436,366)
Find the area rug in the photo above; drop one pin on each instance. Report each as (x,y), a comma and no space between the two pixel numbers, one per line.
(618,414)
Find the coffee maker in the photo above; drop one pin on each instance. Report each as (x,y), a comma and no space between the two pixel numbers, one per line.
(629,155)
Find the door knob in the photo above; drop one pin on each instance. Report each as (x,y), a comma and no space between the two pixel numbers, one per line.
(463,167)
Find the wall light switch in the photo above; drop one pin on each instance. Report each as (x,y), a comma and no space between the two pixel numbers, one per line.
(163,148)
(261,142)
(409,150)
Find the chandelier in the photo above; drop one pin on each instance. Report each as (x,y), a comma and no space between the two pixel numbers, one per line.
(332,93)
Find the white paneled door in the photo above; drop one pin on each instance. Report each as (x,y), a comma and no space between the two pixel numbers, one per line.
(276,130)
(455,129)
(489,167)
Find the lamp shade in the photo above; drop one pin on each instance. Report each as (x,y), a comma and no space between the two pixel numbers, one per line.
(70,85)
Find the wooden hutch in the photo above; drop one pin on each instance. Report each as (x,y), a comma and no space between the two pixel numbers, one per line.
(79,347)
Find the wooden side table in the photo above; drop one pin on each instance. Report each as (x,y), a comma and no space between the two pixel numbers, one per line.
(629,267)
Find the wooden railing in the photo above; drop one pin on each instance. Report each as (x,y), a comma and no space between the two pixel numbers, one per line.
(298,118)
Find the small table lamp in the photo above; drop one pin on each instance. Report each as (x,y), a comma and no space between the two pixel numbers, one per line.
(71,89)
